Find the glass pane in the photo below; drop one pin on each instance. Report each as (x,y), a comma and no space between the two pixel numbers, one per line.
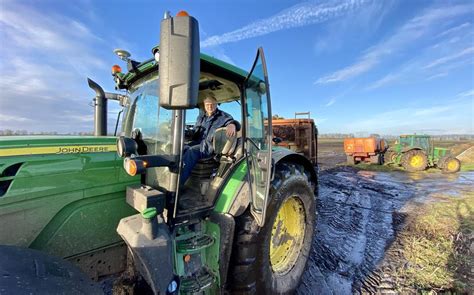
(257,109)
(257,140)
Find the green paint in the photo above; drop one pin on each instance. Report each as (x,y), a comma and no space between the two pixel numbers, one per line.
(149,213)
(226,198)
(63,204)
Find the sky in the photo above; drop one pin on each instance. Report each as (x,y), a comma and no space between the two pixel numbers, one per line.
(358,66)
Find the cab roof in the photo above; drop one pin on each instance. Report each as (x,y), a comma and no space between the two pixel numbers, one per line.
(209,64)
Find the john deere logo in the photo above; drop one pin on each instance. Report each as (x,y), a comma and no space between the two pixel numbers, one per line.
(82,149)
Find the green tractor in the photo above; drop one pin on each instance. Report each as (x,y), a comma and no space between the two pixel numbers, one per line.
(243,222)
(417,152)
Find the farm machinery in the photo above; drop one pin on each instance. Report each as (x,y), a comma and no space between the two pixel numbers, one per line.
(243,221)
(417,152)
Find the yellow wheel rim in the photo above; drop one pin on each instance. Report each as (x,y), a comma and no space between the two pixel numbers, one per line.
(287,236)
(416,161)
(452,165)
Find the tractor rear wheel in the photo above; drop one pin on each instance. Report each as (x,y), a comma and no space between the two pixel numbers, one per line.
(414,160)
(389,157)
(271,259)
(451,165)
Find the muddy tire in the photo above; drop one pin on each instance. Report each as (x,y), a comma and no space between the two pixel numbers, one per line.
(389,157)
(271,259)
(350,160)
(451,165)
(414,160)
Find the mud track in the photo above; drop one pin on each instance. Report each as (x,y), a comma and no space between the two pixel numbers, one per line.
(358,215)
(357,219)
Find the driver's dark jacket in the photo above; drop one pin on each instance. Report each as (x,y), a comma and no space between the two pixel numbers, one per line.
(205,128)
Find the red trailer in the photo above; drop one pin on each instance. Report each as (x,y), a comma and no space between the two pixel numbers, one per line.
(365,149)
(298,134)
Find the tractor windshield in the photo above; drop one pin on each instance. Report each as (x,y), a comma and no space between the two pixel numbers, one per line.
(145,114)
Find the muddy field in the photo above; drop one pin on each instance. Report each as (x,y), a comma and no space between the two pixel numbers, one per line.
(360,215)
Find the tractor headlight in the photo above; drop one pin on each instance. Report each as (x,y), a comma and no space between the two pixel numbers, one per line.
(126,147)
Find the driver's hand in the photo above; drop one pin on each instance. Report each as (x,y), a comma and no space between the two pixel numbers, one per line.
(230,130)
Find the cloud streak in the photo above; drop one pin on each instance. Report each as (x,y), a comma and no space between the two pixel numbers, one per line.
(409,120)
(404,37)
(449,58)
(330,102)
(303,14)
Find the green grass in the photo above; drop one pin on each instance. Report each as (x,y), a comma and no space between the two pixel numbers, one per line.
(436,246)
(467,166)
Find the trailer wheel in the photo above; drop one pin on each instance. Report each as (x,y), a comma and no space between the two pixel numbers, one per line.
(451,165)
(272,259)
(350,160)
(414,160)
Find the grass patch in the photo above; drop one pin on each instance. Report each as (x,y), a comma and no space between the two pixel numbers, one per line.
(436,245)
(375,167)
(467,166)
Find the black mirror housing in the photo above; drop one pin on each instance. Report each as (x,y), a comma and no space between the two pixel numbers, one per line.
(179,62)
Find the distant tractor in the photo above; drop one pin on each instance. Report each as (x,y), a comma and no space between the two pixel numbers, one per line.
(299,135)
(417,152)
(365,149)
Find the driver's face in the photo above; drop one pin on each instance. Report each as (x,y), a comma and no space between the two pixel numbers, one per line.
(210,107)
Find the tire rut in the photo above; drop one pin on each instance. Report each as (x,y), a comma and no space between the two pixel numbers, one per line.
(357,216)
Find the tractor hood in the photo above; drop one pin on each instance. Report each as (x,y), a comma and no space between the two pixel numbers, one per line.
(38,145)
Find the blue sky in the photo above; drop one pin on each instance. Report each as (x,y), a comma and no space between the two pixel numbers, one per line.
(385,67)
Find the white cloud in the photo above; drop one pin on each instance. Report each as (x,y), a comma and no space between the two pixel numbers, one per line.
(303,14)
(455,29)
(452,117)
(405,36)
(330,102)
(8,118)
(384,81)
(449,58)
(45,59)
(466,93)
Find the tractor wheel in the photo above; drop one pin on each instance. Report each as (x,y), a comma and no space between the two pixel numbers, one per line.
(414,160)
(451,165)
(271,259)
(350,160)
(389,157)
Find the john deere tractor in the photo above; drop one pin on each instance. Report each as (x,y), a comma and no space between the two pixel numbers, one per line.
(417,152)
(244,220)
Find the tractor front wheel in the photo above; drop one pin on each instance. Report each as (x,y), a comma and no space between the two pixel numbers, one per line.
(451,165)
(271,259)
(415,160)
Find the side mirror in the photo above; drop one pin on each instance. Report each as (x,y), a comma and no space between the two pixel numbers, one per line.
(179,62)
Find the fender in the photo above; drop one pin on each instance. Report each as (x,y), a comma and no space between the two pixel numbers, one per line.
(286,155)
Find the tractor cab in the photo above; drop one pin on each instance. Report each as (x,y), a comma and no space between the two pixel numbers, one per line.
(153,129)
(423,142)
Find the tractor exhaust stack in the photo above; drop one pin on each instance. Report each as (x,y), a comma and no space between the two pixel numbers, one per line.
(100,109)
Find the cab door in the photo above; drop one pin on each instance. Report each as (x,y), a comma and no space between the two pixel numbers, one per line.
(258,135)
